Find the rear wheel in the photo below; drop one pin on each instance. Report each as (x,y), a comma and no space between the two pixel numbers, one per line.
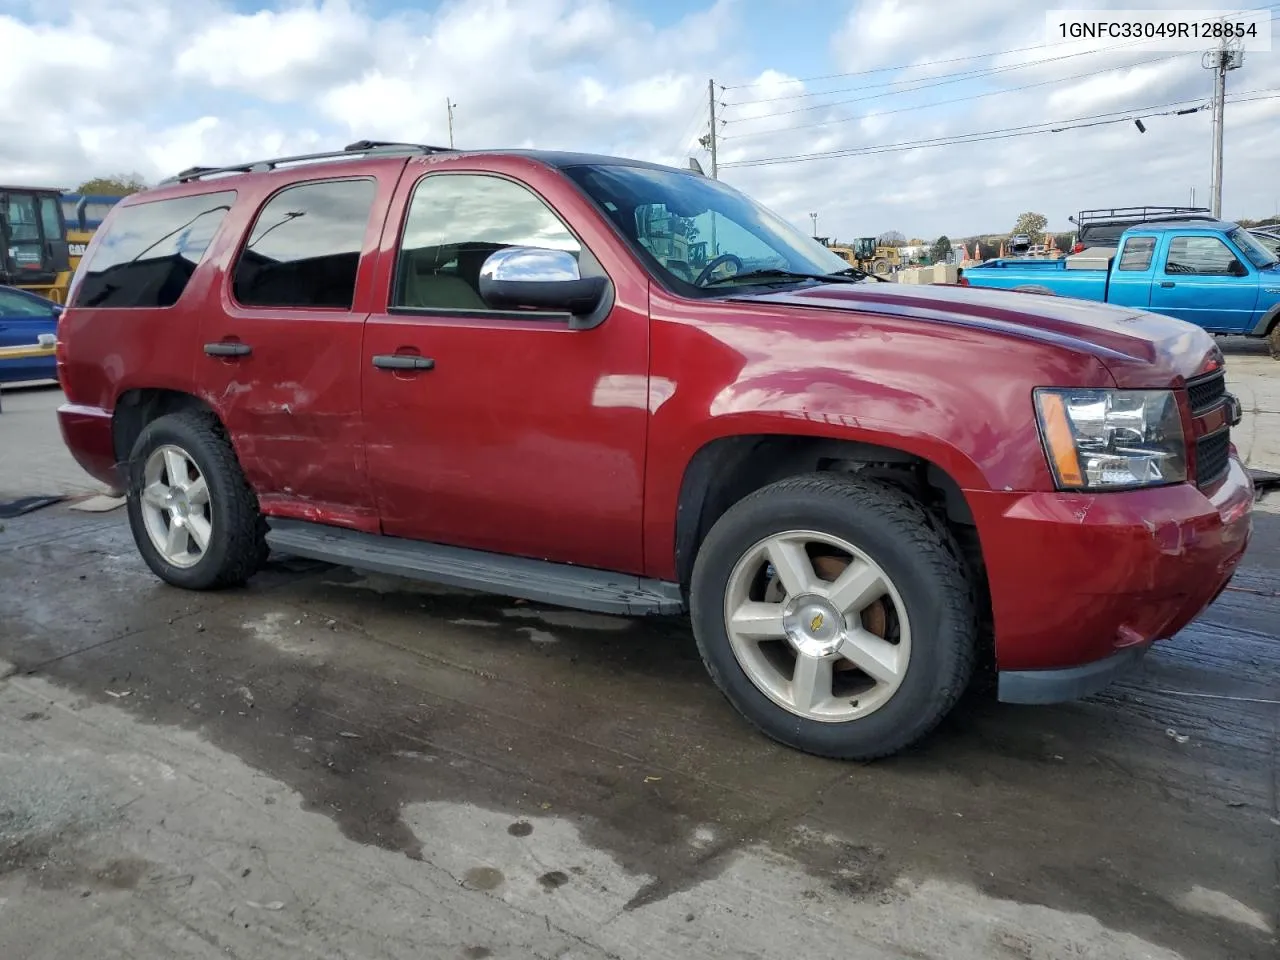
(1273,341)
(835,615)
(193,515)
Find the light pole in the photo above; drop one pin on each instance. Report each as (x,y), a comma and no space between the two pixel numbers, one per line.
(814,218)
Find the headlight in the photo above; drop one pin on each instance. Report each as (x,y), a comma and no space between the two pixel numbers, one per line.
(1111,439)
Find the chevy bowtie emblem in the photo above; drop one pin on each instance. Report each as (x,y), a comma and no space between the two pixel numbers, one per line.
(816,623)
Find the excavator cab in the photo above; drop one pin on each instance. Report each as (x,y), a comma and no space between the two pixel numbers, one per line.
(33,241)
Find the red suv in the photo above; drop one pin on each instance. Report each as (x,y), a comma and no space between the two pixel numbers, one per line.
(628,388)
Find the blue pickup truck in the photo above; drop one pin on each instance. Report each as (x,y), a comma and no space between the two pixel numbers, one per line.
(1211,273)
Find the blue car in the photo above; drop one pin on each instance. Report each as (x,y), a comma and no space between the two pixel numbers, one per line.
(24,319)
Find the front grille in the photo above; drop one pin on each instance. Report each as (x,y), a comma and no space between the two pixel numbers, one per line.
(1206,392)
(1213,455)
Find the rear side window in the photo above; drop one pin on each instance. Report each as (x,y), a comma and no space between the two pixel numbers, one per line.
(304,248)
(150,250)
(1137,254)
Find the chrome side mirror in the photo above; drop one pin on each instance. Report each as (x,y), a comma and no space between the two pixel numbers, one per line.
(516,277)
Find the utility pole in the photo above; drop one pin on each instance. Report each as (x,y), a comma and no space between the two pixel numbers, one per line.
(1221,60)
(449,105)
(711,131)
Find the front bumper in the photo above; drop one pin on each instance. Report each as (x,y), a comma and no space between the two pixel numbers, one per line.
(1082,584)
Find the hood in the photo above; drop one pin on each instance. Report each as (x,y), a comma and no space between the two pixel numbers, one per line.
(1138,347)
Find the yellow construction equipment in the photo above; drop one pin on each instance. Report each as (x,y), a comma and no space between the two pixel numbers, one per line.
(84,213)
(34,254)
(865,254)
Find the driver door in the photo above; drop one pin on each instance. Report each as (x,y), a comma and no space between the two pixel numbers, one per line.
(505,431)
(1196,284)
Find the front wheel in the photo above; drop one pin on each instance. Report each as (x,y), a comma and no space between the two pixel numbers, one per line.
(1273,342)
(835,615)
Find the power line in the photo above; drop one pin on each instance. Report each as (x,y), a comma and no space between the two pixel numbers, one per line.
(938,81)
(972,56)
(939,103)
(1003,133)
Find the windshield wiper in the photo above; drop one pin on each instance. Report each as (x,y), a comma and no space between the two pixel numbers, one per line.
(788,276)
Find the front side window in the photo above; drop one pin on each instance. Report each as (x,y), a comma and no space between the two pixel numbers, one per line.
(1201,256)
(304,248)
(699,235)
(455,222)
(1137,253)
(149,251)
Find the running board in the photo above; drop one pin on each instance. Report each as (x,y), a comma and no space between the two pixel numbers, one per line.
(560,584)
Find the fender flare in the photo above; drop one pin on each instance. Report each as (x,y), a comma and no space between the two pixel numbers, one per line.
(1269,319)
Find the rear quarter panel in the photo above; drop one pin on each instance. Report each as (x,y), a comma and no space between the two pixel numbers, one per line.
(103,353)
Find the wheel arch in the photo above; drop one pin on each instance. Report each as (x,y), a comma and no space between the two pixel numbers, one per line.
(728,468)
(1268,322)
(139,406)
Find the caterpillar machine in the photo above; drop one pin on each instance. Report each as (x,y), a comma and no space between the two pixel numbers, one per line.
(84,213)
(34,253)
(864,254)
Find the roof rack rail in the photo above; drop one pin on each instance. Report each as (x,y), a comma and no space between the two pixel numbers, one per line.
(350,151)
(1140,214)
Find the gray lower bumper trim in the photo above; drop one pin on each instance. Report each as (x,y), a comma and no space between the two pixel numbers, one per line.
(1067,683)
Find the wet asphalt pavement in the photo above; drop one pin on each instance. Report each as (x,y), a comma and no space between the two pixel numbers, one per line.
(336,765)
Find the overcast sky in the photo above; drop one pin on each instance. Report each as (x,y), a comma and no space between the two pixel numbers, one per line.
(153,86)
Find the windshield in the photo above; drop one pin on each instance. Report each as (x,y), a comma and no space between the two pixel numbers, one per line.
(694,231)
(1258,255)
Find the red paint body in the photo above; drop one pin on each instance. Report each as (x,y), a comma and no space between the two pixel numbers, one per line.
(533,439)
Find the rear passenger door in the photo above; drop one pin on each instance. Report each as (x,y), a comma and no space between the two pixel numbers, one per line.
(1196,284)
(281,360)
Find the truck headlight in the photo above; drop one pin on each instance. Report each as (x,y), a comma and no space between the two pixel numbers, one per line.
(1112,439)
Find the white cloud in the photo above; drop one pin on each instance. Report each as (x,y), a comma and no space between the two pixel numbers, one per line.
(159,85)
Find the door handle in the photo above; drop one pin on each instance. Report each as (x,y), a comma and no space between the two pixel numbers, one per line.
(1167,283)
(403,361)
(228,348)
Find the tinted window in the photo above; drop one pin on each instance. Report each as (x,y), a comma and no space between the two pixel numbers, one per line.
(1137,254)
(304,248)
(1206,256)
(150,250)
(455,222)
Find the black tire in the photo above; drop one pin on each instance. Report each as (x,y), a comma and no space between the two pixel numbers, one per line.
(237,546)
(917,554)
(1273,341)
